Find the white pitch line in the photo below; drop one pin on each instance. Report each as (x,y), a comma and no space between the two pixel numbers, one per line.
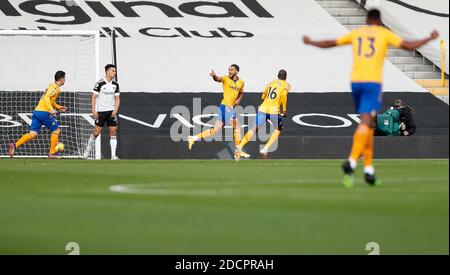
(192,190)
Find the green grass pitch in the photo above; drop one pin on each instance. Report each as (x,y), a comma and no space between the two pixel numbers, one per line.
(221,207)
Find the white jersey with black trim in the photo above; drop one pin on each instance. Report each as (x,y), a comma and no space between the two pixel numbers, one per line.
(106,93)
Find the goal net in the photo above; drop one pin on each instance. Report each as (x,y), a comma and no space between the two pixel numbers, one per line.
(29,62)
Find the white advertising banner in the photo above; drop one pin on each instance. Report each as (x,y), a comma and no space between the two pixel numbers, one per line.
(171,46)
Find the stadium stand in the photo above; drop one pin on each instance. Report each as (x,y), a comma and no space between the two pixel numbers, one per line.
(162,64)
(352,14)
(178,62)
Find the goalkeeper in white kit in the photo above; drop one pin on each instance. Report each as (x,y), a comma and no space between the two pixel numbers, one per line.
(105,110)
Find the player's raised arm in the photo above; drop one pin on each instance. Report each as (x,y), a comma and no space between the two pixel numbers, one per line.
(215,77)
(343,40)
(412,45)
(320,43)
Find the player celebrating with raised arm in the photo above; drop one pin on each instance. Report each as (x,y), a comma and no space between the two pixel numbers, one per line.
(370,45)
(274,96)
(105,110)
(45,114)
(233,92)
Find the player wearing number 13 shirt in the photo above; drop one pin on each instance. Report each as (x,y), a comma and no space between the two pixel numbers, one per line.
(370,46)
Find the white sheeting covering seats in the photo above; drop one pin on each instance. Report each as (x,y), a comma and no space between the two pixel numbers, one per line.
(179,64)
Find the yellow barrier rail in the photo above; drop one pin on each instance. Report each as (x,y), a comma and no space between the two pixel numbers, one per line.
(443,55)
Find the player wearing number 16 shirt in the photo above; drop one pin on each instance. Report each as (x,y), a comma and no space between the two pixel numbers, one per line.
(274,97)
(370,46)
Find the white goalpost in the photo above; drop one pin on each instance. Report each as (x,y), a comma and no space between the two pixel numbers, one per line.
(29,60)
